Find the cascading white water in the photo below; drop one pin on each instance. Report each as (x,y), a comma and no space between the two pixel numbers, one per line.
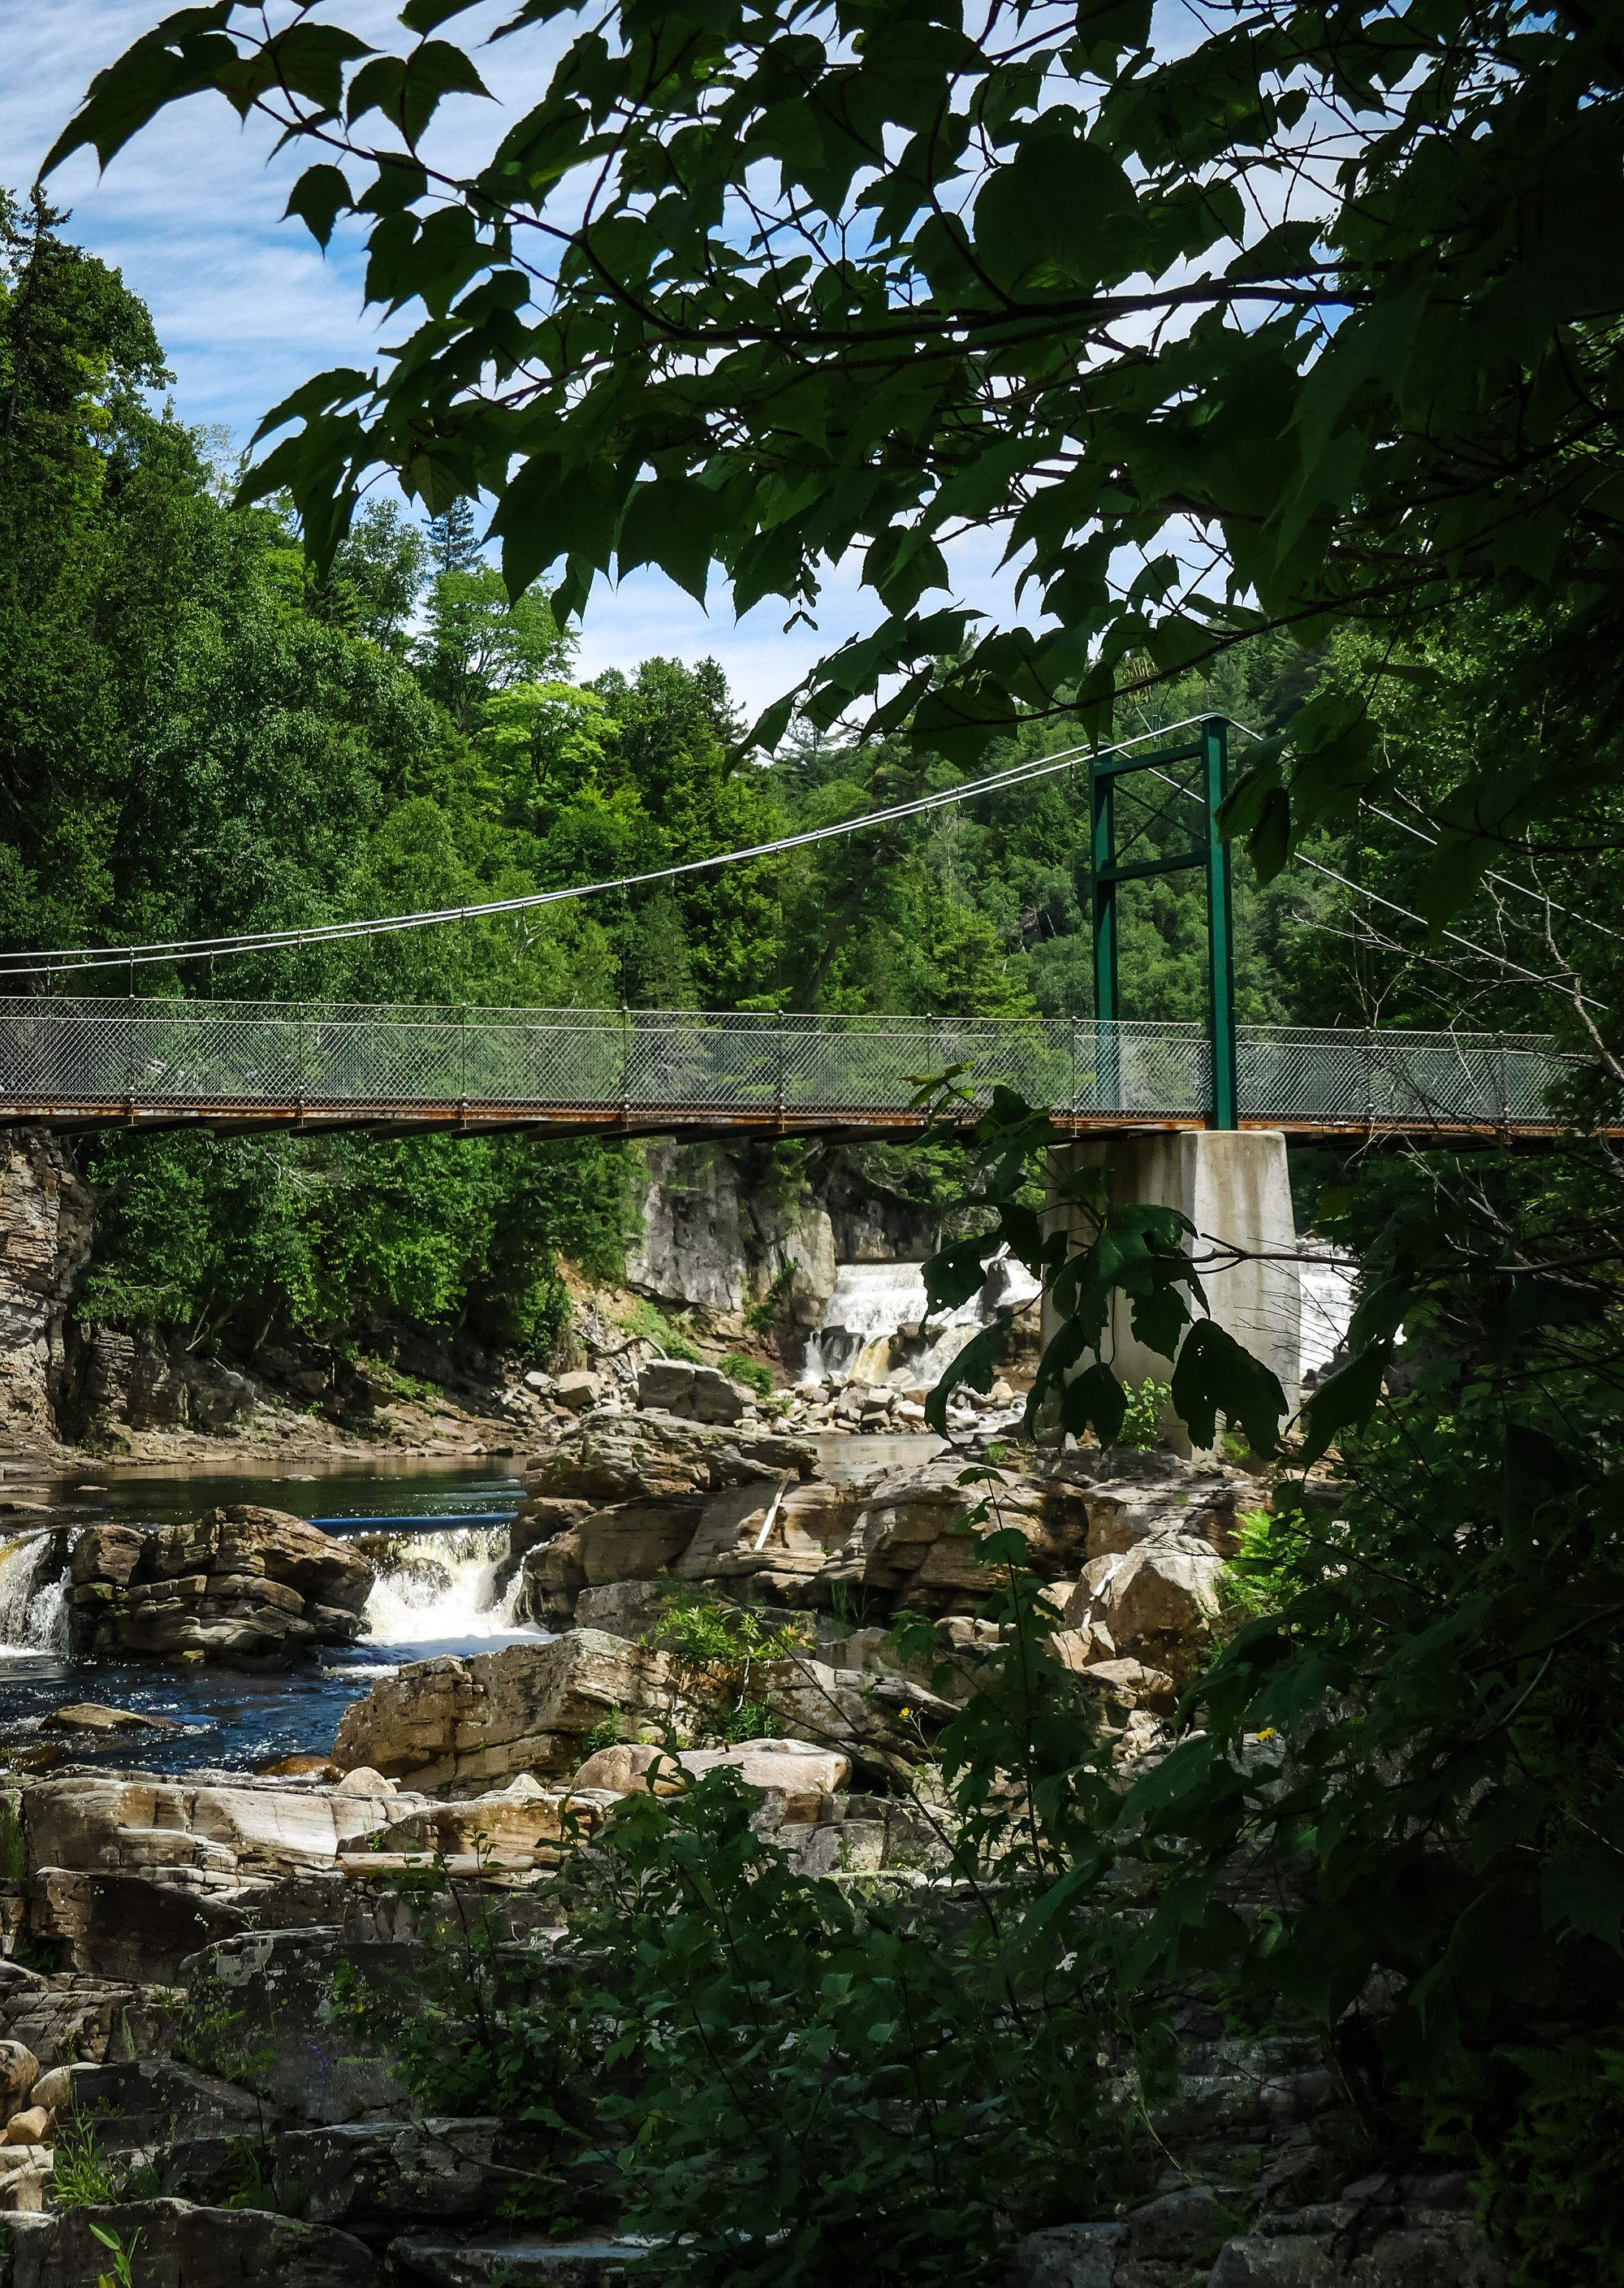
(862,1337)
(436,1585)
(33,1596)
(1325,1288)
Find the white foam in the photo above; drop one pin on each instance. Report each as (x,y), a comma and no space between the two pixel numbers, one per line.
(445,1589)
(33,1599)
(873,1302)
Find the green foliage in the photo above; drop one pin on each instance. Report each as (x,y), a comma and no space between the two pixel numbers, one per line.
(647,1323)
(1067,314)
(252,2181)
(1144,1414)
(1264,1566)
(1550,2181)
(608,1732)
(81,2175)
(122,2253)
(718,1648)
(208,2033)
(753,1373)
(1100,1262)
(794,2079)
(762,1317)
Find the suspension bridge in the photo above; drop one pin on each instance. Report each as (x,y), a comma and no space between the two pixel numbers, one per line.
(81,1061)
(73,1064)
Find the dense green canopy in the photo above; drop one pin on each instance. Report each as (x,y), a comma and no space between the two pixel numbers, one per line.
(1300,314)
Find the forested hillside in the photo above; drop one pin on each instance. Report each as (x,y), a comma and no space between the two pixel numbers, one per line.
(198,737)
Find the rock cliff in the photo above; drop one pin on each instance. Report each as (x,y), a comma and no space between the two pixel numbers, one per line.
(46,1218)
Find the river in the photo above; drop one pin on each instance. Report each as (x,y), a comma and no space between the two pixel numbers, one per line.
(441,1533)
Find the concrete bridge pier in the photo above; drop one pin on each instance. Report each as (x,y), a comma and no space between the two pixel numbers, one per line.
(1234,1186)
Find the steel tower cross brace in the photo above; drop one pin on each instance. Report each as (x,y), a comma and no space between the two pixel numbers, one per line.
(1210,749)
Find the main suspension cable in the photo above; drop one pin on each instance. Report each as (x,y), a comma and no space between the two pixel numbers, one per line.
(71,958)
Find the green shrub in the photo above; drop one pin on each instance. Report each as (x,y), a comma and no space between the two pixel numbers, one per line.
(81,2175)
(1549,2183)
(791,2082)
(1264,1567)
(1145,1412)
(761,1318)
(698,1630)
(646,1323)
(751,1372)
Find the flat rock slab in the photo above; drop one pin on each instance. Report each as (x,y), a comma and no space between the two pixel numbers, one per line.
(92,1716)
(478,2263)
(177,2244)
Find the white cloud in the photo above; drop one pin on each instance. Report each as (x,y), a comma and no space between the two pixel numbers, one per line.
(247,307)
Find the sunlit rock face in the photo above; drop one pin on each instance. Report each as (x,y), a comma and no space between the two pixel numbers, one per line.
(46,1223)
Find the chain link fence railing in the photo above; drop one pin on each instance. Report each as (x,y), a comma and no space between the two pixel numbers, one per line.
(102,1055)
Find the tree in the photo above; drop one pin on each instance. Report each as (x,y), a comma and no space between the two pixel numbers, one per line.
(478,642)
(1316,314)
(452,541)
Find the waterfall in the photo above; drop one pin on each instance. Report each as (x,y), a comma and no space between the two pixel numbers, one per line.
(1326,1286)
(873,1326)
(437,1585)
(33,1596)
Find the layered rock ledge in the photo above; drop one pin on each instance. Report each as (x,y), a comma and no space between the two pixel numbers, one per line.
(241,1585)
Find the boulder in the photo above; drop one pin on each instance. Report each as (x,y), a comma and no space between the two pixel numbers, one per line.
(577,1391)
(750,1530)
(803,1773)
(1158,1600)
(250,1828)
(1131,1496)
(625,1768)
(703,1393)
(180,2246)
(619,1456)
(54,2089)
(542,1519)
(637,1539)
(90,1716)
(364,1781)
(139,2103)
(1123,1687)
(799,1772)
(79,2016)
(370,2176)
(19,2072)
(916,1534)
(105,1553)
(1072,1648)
(513,2259)
(243,1583)
(121,1927)
(527,1708)
(838,1708)
(26,2171)
(272,2012)
(31,2127)
(551,1579)
(622,1608)
(501,1826)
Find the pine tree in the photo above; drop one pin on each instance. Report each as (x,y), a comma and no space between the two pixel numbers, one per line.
(452,538)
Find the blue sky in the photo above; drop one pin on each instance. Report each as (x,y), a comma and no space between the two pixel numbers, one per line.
(247,306)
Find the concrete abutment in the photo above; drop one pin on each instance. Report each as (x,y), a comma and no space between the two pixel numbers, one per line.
(1234,1187)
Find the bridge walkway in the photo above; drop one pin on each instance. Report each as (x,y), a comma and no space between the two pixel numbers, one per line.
(77,1064)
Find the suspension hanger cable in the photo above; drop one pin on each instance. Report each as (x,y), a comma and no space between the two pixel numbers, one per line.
(178,950)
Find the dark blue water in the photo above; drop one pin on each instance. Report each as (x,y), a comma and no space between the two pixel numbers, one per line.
(244,1720)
